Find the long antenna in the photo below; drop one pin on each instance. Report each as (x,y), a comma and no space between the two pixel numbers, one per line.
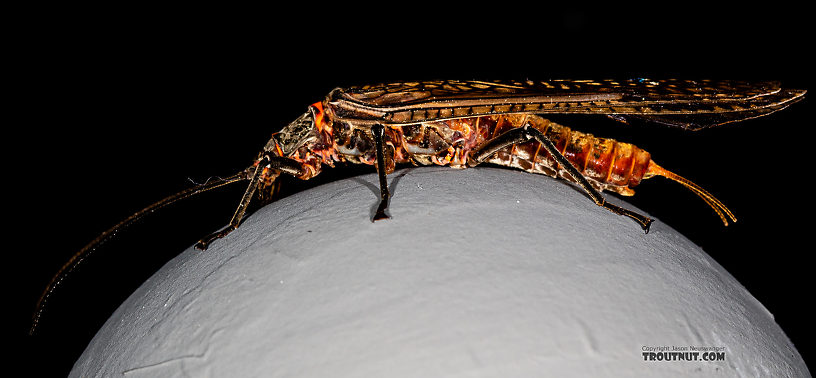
(86,251)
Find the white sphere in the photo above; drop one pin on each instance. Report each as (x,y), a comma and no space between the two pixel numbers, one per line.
(480,273)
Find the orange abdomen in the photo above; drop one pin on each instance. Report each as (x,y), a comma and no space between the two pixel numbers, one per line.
(607,163)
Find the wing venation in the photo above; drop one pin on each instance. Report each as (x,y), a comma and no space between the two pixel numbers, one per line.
(682,103)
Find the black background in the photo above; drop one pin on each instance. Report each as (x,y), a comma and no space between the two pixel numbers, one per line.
(115,108)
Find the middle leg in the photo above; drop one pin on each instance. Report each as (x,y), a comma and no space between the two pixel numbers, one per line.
(378,131)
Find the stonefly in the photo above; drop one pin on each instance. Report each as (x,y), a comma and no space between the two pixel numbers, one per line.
(463,124)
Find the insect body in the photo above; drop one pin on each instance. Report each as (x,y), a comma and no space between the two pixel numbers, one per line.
(603,164)
(465,123)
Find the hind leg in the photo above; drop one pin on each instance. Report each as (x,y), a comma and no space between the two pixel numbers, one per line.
(525,134)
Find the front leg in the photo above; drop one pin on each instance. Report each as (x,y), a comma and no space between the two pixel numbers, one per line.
(525,134)
(282,164)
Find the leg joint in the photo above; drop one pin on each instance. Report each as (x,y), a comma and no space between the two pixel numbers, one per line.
(378,130)
(530,132)
(286,165)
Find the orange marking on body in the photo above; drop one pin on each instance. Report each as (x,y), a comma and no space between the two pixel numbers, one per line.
(278,149)
(319,120)
(451,153)
(611,162)
(535,156)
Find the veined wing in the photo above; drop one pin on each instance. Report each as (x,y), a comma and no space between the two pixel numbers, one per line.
(684,103)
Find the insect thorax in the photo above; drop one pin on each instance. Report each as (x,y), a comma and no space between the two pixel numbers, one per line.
(294,135)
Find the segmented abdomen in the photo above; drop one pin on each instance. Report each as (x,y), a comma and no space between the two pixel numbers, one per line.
(607,163)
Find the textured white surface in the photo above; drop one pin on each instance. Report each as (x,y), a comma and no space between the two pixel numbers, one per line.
(479,273)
